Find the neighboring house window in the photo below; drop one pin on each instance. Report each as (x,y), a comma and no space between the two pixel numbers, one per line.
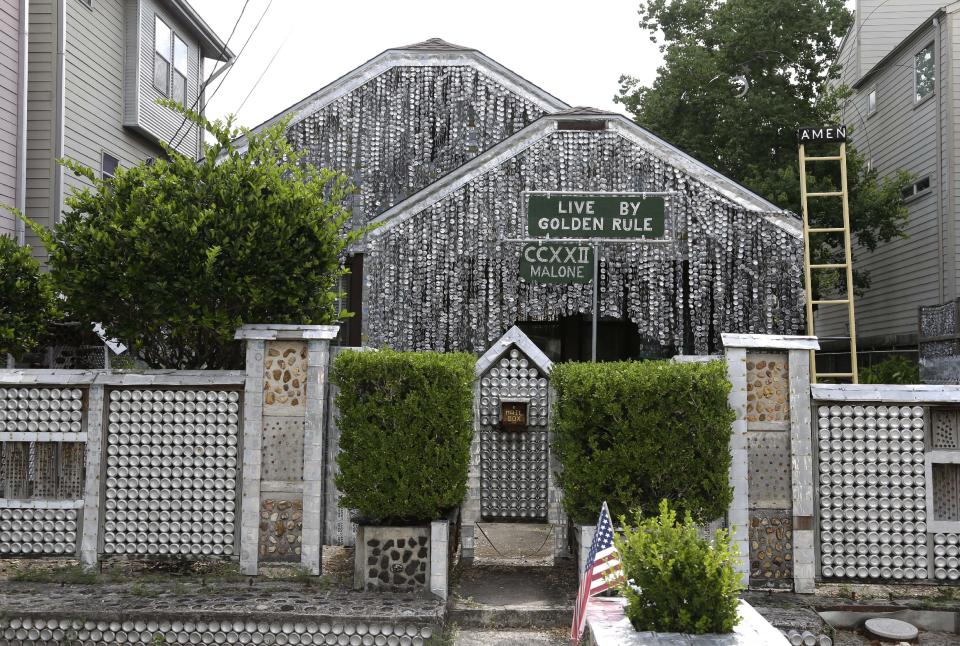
(181,63)
(916,188)
(871,102)
(87,3)
(924,73)
(108,166)
(161,56)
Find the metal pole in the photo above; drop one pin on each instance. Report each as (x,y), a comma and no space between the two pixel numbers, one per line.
(596,291)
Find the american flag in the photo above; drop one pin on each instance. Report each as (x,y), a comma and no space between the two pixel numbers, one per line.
(603,570)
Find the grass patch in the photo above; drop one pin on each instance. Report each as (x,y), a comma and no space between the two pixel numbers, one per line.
(73,574)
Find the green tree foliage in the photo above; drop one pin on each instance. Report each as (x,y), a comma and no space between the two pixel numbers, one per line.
(405,429)
(895,370)
(783,53)
(676,580)
(172,257)
(27,301)
(634,433)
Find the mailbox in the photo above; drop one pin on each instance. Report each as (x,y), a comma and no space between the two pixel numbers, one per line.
(513,414)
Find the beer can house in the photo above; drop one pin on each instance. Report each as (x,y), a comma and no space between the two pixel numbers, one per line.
(496,204)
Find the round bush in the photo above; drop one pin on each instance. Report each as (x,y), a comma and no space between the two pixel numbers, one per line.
(27,300)
(676,580)
(405,422)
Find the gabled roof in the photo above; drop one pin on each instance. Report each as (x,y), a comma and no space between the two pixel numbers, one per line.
(429,53)
(514,337)
(618,123)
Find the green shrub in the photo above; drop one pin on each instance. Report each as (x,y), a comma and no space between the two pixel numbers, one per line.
(174,256)
(633,433)
(676,580)
(894,370)
(405,429)
(27,301)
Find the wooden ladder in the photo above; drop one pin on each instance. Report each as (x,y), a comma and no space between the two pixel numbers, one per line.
(847,265)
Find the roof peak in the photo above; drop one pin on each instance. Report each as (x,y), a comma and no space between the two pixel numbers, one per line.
(436,44)
(585,111)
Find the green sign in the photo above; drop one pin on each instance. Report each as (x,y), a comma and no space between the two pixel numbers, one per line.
(556,263)
(572,215)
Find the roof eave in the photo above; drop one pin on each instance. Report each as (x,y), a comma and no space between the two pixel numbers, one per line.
(210,44)
(730,190)
(896,51)
(413,58)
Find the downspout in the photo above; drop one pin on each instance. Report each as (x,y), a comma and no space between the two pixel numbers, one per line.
(20,229)
(60,117)
(940,219)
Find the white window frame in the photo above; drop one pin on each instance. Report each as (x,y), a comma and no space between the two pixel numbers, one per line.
(157,20)
(103,173)
(916,191)
(917,100)
(872,101)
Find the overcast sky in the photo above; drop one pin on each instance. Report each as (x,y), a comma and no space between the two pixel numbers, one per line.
(574,50)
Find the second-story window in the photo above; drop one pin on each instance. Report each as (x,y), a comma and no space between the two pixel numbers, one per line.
(108,166)
(924,73)
(161,56)
(181,64)
(871,102)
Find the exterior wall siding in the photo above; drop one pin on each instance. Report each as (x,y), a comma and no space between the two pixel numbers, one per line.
(41,118)
(901,134)
(157,120)
(883,24)
(94,91)
(9,108)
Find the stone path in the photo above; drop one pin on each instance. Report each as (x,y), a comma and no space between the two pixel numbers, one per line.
(476,637)
(225,601)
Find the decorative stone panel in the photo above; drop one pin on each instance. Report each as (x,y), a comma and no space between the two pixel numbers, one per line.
(171,472)
(41,410)
(147,630)
(946,557)
(872,492)
(768,391)
(285,378)
(31,531)
(769,470)
(946,491)
(513,463)
(393,559)
(282,448)
(771,549)
(281,530)
(945,431)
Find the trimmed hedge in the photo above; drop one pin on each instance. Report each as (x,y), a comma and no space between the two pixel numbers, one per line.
(677,582)
(635,433)
(405,430)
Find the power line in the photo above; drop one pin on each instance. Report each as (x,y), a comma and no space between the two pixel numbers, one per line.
(204,86)
(263,73)
(235,60)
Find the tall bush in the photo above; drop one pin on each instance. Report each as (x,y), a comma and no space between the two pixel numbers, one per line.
(894,370)
(676,580)
(27,300)
(634,433)
(405,429)
(172,257)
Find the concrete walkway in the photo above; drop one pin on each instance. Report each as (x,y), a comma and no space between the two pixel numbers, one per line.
(476,637)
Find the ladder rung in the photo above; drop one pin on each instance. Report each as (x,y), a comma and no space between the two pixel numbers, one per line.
(827,194)
(835,375)
(830,158)
(843,301)
(827,230)
(840,265)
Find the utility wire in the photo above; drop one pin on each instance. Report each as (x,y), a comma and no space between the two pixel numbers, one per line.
(263,73)
(235,60)
(204,85)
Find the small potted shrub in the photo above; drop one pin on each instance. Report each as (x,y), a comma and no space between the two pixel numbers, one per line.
(405,421)
(677,581)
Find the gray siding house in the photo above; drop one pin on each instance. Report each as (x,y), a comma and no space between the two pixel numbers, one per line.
(94,70)
(900,58)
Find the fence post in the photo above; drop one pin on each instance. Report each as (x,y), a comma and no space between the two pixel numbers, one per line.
(89,538)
